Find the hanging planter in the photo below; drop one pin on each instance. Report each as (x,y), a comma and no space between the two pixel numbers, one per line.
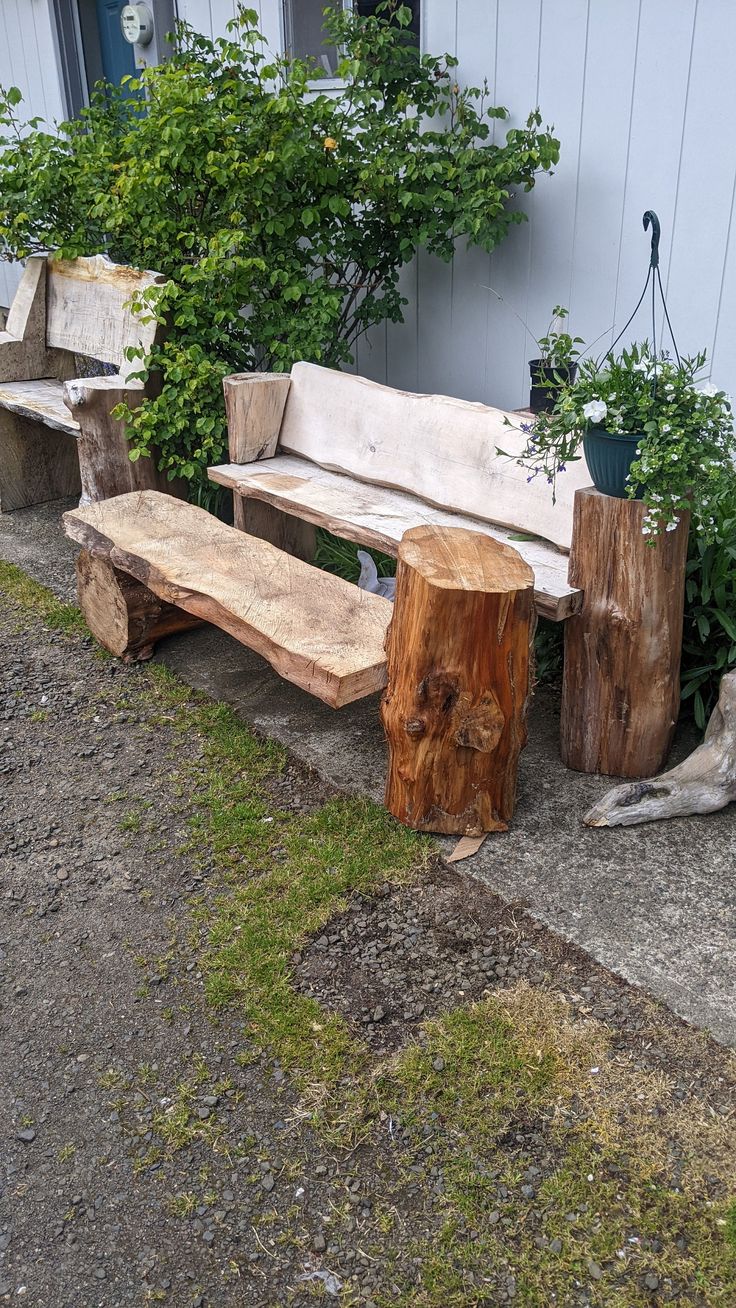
(609,458)
(649,425)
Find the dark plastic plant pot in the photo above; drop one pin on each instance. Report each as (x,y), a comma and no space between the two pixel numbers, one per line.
(609,459)
(546,384)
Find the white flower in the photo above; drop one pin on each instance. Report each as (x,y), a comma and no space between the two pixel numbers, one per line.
(708,389)
(665,427)
(641,366)
(595,410)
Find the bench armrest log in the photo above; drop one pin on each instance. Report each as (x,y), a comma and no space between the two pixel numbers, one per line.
(254,404)
(621,681)
(104,450)
(23,352)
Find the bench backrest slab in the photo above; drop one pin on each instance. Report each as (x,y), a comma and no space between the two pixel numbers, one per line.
(440,449)
(87,310)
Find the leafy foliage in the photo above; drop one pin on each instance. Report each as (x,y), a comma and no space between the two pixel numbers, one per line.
(709,639)
(558,349)
(687,434)
(280,215)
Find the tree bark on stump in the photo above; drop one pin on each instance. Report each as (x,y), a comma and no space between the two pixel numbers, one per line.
(459,660)
(122,614)
(621,682)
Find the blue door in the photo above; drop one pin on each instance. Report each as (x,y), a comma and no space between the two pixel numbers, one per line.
(117,54)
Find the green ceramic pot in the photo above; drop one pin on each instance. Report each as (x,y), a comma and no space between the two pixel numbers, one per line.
(609,459)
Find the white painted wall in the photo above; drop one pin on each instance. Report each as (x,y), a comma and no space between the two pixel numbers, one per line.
(643,96)
(29,60)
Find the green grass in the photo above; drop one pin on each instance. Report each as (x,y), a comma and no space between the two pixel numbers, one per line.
(32,596)
(606,1211)
(284,876)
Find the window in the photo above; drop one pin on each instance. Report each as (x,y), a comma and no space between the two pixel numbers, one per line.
(305,34)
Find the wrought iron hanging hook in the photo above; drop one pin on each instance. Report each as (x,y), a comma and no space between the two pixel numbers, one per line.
(651,217)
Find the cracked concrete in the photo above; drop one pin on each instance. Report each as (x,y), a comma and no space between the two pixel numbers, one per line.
(655,904)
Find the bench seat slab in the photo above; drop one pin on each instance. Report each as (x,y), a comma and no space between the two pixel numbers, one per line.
(41,400)
(316,630)
(378,517)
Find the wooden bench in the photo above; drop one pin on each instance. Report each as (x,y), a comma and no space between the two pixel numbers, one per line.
(323,448)
(378,466)
(368,463)
(52,422)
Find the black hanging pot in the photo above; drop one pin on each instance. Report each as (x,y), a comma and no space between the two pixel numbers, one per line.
(546,382)
(609,458)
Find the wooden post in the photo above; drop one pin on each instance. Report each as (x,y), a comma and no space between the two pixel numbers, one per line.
(123,614)
(459,659)
(621,683)
(254,403)
(104,449)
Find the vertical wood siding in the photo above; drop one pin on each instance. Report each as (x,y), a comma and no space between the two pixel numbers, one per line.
(28,60)
(643,98)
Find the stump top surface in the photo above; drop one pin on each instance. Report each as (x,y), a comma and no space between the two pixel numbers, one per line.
(454,558)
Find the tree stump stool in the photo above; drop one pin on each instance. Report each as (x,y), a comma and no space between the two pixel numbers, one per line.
(459,664)
(621,684)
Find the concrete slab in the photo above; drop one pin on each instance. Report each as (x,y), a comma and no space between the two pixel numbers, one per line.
(656,904)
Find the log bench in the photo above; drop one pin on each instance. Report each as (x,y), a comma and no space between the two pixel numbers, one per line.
(52,422)
(479,549)
(320,448)
(456,647)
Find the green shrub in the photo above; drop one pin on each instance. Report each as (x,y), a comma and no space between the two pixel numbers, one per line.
(281,216)
(709,639)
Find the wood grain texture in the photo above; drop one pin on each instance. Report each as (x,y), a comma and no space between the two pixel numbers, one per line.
(377,517)
(37,463)
(316,630)
(41,401)
(704,783)
(459,660)
(440,449)
(621,682)
(87,310)
(254,403)
(122,614)
(104,449)
(282,530)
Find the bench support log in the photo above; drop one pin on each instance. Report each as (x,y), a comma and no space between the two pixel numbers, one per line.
(123,614)
(621,683)
(104,449)
(458,680)
(287,533)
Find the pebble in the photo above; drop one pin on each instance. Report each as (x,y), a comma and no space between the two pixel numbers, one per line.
(27,1135)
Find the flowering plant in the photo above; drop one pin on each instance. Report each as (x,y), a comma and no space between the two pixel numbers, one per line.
(687,446)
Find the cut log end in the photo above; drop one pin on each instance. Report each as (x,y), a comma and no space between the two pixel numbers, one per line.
(125,617)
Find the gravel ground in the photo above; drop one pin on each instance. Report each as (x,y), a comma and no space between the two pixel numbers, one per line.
(104,1025)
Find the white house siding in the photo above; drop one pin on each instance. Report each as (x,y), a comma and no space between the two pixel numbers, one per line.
(28,60)
(643,97)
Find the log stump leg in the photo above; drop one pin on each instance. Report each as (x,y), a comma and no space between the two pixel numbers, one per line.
(459,661)
(287,533)
(621,682)
(122,614)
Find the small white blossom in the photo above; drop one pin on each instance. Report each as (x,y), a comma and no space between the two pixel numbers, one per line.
(595,410)
(708,389)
